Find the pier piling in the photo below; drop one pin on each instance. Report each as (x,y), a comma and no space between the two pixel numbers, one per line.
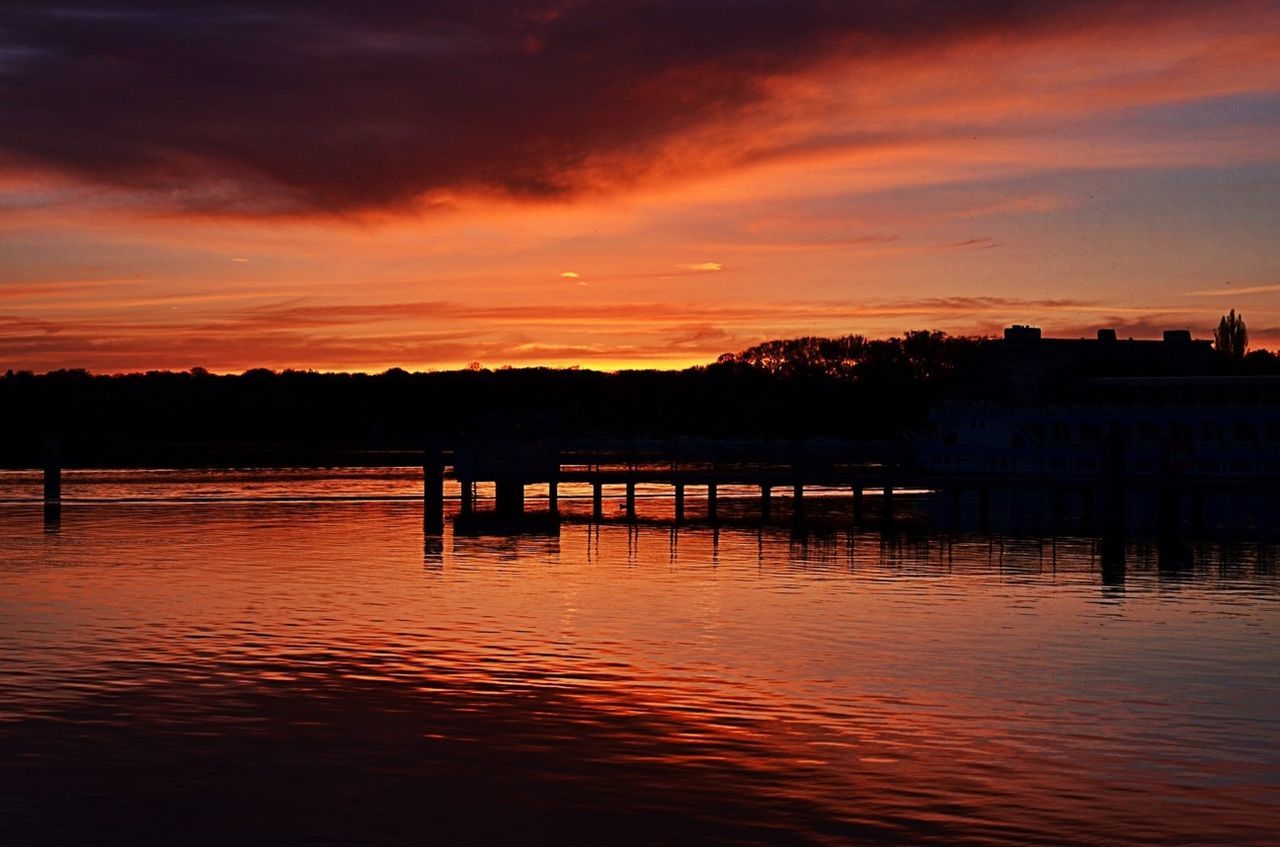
(52,482)
(53,469)
(1114,502)
(509,497)
(433,487)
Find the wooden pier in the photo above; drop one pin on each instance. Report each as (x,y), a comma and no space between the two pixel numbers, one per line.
(704,469)
(679,468)
(858,468)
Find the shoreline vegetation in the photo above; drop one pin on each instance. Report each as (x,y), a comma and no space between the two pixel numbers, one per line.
(849,388)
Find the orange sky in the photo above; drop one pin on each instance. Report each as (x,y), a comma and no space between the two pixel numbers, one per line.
(618,184)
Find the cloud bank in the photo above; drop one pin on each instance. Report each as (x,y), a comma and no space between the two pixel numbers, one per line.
(279,107)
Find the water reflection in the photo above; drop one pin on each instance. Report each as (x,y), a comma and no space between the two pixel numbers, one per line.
(324,672)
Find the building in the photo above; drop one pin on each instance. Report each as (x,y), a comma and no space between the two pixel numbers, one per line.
(1144,408)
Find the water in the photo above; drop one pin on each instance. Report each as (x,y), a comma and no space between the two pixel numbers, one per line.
(262,666)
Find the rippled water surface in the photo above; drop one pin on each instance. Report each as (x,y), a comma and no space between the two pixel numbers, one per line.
(283,669)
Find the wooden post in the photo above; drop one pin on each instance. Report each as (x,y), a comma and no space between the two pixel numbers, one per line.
(433,487)
(1168,513)
(1113,524)
(797,496)
(52,483)
(857,504)
(553,498)
(53,469)
(509,497)
(597,500)
(467,495)
(766,498)
(631,500)
(711,503)
(679,502)
(888,502)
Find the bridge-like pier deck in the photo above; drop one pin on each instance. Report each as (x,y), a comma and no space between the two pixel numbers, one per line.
(708,467)
(793,468)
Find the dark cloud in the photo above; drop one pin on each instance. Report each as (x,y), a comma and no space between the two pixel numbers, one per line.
(277,106)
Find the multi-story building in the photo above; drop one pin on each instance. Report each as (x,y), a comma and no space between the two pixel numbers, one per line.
(1065,406)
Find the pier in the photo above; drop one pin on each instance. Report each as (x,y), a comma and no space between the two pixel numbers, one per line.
(680,467)
(692,475)
(704,468)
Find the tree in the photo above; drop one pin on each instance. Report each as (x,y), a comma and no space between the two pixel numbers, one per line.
(1231,337)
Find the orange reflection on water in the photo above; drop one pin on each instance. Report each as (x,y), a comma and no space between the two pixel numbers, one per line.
(740,684)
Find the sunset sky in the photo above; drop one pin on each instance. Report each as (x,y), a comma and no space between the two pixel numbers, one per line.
(609,184)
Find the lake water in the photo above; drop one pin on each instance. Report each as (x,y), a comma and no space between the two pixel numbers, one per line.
(283,658)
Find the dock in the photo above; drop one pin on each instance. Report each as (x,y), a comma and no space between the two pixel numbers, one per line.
(688,468)
(694,473)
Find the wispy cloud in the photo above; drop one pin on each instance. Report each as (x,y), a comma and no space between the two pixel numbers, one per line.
(973,244)
(446,334)
(373,336)
(1233,290)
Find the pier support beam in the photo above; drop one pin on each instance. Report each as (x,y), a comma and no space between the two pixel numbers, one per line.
(679,502)
(53,469)
(766,501)
(509,497)
(597,500)
(888,502)
(1113,523)
(631,500)
(711,503)
(857,504)
(432,488)
(553,498)
(52,482)
(466,497)
(1169,515)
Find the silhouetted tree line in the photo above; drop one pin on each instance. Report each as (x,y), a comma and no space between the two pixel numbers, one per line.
(848,387)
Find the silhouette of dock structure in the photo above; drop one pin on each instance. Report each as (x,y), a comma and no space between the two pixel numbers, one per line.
(703,469)
(703,466)
(706,468)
